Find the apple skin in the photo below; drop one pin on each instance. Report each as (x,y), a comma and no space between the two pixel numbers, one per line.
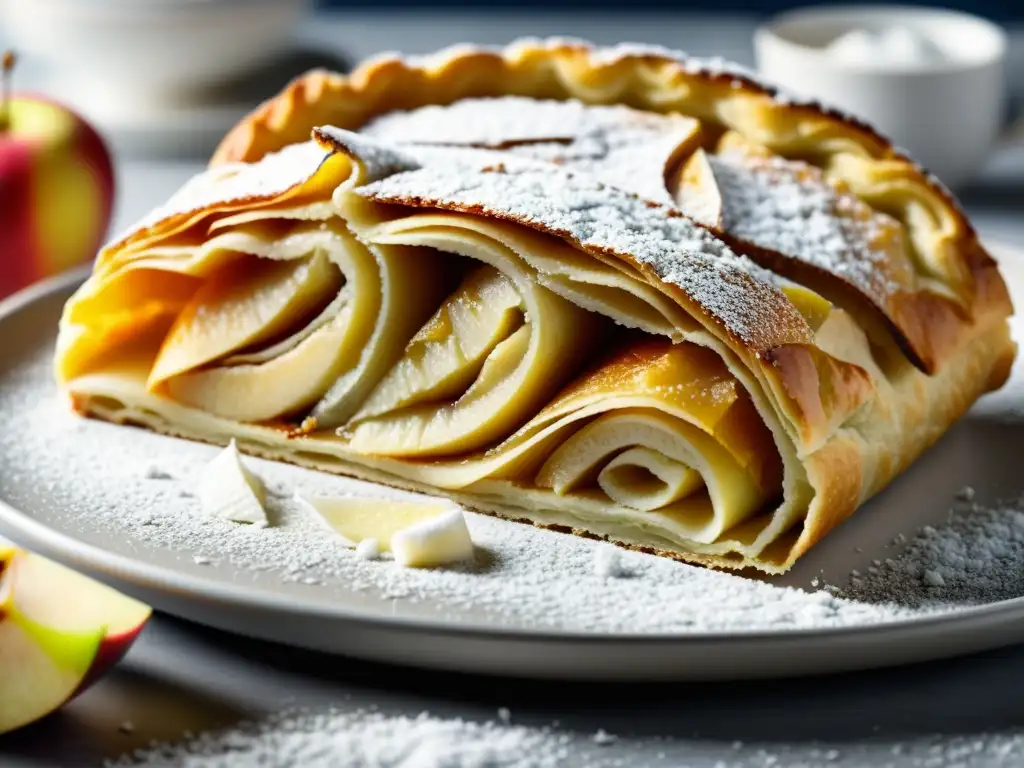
(60,627)
(56,192)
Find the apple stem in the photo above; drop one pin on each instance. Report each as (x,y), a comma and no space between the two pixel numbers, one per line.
(8,62)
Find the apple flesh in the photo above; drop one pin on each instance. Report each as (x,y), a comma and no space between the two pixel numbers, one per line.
(59,632)
(56,191)
(39,668)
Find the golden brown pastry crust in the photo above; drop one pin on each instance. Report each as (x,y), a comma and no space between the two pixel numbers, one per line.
(927,326)
(855,426)
(837,470)
(557,68)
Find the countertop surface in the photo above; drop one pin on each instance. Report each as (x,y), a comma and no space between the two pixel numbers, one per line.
(180,677)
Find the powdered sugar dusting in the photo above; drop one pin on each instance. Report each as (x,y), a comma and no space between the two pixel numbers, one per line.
(275,173)
(623,147)
(494,123)
(788,207)
(734,291)
(710,67)
(92,479)
(378,160)
(369,738)
(631,160)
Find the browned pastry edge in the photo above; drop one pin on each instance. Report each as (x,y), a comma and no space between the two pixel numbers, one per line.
(289,116)
(928,328)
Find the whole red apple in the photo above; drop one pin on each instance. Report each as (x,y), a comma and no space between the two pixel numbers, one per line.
(56,188)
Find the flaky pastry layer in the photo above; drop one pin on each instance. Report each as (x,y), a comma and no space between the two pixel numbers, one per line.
(699,320)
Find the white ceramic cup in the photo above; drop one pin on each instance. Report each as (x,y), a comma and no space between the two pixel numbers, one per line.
(150,49)
(946,114)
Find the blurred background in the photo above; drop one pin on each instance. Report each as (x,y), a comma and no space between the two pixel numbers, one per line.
(163,80)
(1004,9)
(168,77)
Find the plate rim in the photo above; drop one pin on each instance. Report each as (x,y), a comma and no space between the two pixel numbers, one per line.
(99,562)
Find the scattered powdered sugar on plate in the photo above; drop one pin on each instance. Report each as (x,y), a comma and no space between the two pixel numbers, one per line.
(975,558)
(96,481)
(88,479)
(607,562)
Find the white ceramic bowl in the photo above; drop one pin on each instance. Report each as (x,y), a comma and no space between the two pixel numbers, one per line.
(154,47)
(946,115)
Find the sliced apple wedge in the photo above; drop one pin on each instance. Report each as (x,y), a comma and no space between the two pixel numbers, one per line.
(40,668)
(59,598)
(420,534)
(446,356)
(59,632)
(246,303)
(355,518)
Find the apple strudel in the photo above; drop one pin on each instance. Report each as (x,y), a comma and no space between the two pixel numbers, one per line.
(614,291)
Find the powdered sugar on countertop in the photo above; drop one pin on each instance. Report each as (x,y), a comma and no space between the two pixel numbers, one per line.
(91,478)
(364,739)
(369,738)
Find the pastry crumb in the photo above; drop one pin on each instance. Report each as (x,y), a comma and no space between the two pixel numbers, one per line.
(603,738)
(154,472)
(608,561)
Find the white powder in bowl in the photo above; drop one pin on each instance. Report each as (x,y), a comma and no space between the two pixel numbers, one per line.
(893,47)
